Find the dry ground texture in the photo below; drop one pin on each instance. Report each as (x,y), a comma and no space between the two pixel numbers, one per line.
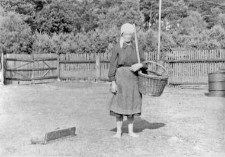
(180,123)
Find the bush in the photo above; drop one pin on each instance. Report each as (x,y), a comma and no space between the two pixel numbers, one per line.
(116,15)
(193,34)
(217,33)
(194,22)
(221,20)
(207,39)
(42,43)
(57,17)
(15,34)
(97,41)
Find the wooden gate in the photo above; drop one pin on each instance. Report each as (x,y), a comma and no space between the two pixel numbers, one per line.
(35,68)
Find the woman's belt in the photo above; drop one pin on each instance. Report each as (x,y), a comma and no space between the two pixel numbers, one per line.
(123,66)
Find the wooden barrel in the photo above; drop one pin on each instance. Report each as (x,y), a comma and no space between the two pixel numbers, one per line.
(217,84)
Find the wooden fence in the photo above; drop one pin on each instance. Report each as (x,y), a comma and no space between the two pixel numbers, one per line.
(192,67)
(29,68)
(184,67)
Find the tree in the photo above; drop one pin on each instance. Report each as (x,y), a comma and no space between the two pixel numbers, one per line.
(57,17)
(209,9)
(88,14)
(212,18)
(217,33)
(172,10)
(221,20)
(15,34)
(25,7)
(117,15)
(194,22)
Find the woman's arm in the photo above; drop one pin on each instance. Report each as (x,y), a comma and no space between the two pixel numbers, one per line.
(141,65)
(113,64)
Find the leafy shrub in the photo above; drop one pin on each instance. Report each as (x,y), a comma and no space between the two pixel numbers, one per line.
(97,41)
(15,34)
(221,20)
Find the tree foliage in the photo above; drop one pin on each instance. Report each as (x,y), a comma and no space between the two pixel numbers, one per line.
(128,11)
(60,26)
(15,34)
(57,17)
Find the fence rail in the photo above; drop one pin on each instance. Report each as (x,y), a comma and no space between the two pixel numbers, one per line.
(184,67)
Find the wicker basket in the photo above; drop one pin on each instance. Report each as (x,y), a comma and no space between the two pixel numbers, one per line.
(153,82)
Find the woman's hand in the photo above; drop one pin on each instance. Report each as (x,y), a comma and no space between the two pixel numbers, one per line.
(113,87)
(136,67)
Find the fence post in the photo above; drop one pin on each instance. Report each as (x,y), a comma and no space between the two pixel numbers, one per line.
(32,72)
(97,66)
(3,69)
(58,66)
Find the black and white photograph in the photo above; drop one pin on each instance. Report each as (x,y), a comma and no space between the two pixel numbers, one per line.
(112,78)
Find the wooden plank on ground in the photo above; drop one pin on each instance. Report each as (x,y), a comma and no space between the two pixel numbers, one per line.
(39,138)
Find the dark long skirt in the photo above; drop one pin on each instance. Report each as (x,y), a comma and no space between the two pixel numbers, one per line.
(128,100)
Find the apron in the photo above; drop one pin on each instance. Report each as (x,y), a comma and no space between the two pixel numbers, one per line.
(128,100)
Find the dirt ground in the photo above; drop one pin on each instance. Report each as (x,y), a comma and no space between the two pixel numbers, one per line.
(180,123)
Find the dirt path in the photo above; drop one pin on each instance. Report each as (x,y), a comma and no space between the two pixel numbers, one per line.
(180,123)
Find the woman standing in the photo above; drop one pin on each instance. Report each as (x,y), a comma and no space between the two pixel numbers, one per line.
(123,74)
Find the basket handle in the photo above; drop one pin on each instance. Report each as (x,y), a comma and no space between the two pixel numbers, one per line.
(138,55)
(136,44)
(158,65)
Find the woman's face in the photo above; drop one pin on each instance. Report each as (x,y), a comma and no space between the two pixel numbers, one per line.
(127,36)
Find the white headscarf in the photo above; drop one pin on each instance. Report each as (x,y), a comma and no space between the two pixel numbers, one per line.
(128,28)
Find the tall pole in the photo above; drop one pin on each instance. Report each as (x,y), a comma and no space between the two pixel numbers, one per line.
(159,33)
(3,69)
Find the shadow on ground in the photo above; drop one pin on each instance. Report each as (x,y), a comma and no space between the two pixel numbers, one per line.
(207,94)
(140,125)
